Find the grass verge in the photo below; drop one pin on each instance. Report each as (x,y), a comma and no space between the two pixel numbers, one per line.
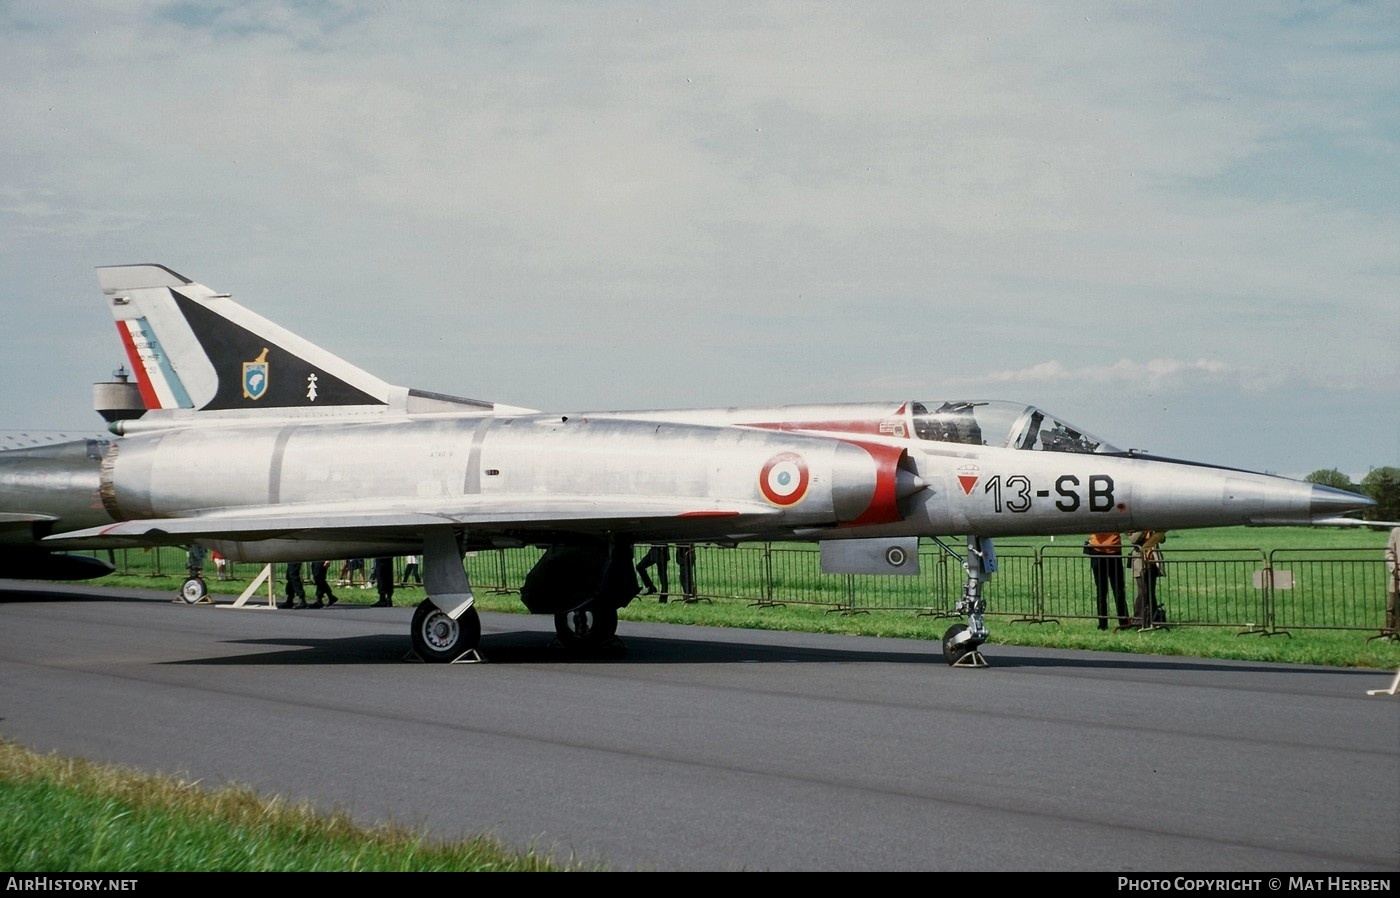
(65,816)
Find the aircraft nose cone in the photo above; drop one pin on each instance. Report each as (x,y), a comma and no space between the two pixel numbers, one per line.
(1328,500)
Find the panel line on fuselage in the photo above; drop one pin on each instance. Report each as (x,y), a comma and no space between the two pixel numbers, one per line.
(471,484)
(274,473)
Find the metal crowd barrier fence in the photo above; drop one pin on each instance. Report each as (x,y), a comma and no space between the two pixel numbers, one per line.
(1334,589)
(1245,589)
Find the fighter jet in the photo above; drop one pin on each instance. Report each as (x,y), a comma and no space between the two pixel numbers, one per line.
(261,445)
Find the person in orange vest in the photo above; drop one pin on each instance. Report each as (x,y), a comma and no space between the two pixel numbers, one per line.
(1105,551)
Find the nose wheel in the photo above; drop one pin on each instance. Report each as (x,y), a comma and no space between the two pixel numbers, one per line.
(961,649)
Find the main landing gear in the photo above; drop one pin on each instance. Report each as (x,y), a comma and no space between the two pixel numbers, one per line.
(962,642)
(583,585)
(440,638)
(446,626)
(586,628)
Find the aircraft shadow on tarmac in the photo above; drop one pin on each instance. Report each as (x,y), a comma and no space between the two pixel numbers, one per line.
(538,647)
(20,591)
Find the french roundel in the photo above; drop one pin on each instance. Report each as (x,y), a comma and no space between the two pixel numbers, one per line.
(783,479)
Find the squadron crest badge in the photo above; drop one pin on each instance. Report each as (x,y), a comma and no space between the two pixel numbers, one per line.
(255,375)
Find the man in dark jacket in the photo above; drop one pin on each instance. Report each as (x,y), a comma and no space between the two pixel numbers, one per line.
(384,579)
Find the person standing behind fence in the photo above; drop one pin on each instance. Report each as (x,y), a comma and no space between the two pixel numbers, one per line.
(384,579)
(355,570)
(410,570)
(220,565)
(685,560)
(1105,551)
(658,556)
(1392,589)
(1147,567)
(296,590)
(320,575)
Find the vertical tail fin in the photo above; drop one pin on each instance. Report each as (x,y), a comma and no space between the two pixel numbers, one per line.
(197,352)
(192,348)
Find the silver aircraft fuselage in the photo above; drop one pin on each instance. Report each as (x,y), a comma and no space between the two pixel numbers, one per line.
(651,480)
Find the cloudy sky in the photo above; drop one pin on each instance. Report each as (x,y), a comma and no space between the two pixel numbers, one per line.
(1175,225)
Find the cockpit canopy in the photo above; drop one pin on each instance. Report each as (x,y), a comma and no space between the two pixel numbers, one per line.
(998,423)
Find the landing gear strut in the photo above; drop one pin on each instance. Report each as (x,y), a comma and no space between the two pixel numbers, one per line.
(962,642)
(446,626)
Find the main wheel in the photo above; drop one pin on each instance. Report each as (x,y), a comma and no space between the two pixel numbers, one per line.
(438,638)
(193,590)
(586,627)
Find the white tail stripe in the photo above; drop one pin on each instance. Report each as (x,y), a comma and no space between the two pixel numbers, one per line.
(160,386)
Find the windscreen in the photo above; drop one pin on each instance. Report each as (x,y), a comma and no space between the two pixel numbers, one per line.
(1006,424)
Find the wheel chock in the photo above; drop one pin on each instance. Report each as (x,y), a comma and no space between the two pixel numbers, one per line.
(470,656)
(1393,690)
(973,658)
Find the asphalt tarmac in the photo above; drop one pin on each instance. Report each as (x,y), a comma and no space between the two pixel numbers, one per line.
(701,749)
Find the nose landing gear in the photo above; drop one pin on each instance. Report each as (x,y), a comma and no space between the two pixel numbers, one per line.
(962,642)
(960,647)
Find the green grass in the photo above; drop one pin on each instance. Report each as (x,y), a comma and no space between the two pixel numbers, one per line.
(65,816)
